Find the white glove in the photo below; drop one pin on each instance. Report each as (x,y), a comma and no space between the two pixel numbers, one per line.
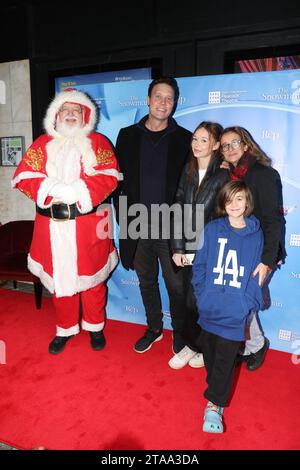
(64,193)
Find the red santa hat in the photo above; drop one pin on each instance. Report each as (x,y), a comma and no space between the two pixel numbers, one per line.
(71,95)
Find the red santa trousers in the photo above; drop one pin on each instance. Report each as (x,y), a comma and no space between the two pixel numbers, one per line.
(93,311)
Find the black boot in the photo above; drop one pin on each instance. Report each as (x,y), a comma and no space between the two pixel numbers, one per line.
(255,360)
(58,344)
(97,340)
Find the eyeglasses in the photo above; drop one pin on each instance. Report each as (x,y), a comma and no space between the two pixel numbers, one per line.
(70,110)
(235,144)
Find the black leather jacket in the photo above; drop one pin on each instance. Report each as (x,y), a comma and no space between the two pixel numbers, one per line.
(213,181)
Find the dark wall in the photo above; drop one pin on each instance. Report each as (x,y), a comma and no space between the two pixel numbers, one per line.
(179,38)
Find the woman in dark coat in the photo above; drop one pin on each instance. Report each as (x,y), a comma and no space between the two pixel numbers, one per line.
(248,162)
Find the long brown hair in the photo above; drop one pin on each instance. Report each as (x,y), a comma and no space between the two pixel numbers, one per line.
(253,147)
(214,130)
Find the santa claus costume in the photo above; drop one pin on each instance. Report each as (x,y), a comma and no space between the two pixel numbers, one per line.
(68,176)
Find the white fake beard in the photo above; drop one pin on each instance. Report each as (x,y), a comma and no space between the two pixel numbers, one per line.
(66,130)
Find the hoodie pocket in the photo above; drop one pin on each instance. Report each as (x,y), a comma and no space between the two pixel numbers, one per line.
(225,307)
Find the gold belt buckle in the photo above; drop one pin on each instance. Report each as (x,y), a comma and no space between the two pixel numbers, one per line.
(57,203)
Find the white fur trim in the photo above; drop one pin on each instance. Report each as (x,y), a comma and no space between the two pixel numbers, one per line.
(92,326)
(86,282)
(75,96)
(73,330)
(82,196)
(83,282)
(44,190)
(109,172)
(26,175)
(38,270)
(83,145)
(64,257)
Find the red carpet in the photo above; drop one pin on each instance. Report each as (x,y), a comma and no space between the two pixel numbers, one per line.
(117,399)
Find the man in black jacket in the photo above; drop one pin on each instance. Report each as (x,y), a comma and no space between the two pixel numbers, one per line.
(151,156)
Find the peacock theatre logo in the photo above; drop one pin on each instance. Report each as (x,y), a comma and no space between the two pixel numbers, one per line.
(226,96)
(214,97)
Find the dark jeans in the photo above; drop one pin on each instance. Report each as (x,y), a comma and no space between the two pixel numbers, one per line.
(146,266)
(219,356)
(191,329)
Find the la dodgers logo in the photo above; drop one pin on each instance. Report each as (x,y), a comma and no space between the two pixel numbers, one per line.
(229,267)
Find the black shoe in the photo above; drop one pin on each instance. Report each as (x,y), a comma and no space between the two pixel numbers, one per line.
(97,340)
(178,343)
(146,341)
(255,360)
(58,344)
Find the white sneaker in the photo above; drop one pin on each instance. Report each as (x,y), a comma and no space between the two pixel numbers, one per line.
(197,361)
(182,358)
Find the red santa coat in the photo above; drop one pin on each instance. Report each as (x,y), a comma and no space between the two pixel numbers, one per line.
(70,256)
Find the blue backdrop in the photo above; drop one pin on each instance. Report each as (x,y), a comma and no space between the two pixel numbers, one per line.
(268,105)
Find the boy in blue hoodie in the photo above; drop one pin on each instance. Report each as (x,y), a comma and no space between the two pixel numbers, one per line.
(226,292)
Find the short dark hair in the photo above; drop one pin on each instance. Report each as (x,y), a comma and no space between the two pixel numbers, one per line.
(167,81)
(228,191)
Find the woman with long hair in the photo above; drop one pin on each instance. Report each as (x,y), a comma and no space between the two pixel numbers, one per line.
(200,182)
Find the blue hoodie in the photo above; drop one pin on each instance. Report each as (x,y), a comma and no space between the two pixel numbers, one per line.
(224,287)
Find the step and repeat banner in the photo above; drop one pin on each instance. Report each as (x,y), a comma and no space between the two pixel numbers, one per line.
(268,105)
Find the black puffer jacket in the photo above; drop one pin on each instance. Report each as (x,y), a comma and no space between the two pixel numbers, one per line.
(214,179)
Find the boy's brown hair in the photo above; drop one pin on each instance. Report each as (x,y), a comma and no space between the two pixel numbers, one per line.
(226,194)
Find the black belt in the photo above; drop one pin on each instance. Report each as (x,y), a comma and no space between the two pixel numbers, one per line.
(59,211)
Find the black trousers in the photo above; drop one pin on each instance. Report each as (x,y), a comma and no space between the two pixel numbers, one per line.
(147,268)
(219,356)
(191,329)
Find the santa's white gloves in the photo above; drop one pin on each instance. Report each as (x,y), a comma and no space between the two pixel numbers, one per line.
(64,193)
